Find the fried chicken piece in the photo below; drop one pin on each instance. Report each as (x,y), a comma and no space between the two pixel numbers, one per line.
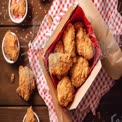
(79,72)
(79,30)
(59,47)
(30,115)
(12,77)
(65,91)
(84,45)
(11,46)
(18,8)
(69,40)
(26,82)
(59,63)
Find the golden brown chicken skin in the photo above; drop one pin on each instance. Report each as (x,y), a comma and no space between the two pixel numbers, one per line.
(11,46)
(18,8)
(65,91)
(84,45)
(59,77)
(79,30)
(59,63)
(30,115)
(79,72)
(69,40)
(26,83)
(59,47)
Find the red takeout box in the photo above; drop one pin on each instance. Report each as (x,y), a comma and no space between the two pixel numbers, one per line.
(95,64)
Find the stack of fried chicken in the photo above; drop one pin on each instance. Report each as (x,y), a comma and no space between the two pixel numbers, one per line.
(70,61)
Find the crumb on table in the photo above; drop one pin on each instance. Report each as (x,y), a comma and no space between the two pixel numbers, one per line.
(12,77)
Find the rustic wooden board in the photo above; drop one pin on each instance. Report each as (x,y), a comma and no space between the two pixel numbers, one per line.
(16,114)
(8,95)
(36,12)
(13,107)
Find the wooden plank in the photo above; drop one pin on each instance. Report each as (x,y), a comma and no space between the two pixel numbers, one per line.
(16,114)
(36,12)
(8,95)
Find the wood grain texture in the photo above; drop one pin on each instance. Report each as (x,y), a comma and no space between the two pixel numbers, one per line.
(16,114)
(8,95)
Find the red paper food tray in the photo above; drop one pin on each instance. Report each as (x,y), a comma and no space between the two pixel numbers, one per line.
(78,15)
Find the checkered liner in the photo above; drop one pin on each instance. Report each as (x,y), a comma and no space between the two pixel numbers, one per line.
(101,85)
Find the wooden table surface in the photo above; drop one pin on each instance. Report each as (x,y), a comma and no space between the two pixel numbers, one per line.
(13,107)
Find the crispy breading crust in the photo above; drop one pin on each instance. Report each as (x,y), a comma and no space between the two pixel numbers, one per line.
(59,63)
(59,47)
(10,46)
(69,40)
(65,91)
(18,8)
(30,115)
(26,82)
(84,45)
(79,72)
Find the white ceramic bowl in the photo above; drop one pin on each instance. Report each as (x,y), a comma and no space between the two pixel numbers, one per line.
(4,55)
(37,118)
(16,20)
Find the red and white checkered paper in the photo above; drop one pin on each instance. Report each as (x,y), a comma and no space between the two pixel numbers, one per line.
(102,83)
